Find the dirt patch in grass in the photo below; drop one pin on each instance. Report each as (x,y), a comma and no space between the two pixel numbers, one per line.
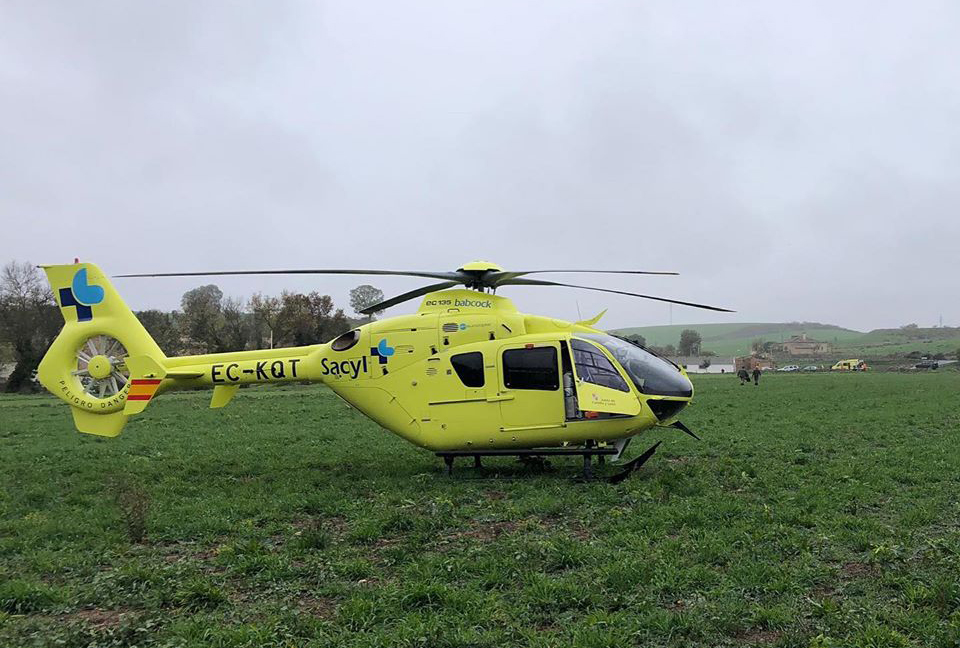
(579,531)
(336,526)
(240,596)
(381,543)
(576,529)
(755,637)
(857,570)
(480,532)
(181,551)
(676,606)
(96,619)
(320,607)
(486,532)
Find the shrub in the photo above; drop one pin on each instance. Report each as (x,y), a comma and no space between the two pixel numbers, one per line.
(134,503)
(21,597)
(314,536)
(198,594)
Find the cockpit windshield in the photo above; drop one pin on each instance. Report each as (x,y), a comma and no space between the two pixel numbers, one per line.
(650,373)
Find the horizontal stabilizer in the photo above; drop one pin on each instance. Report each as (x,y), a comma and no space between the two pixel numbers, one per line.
(148,367)
(183,375)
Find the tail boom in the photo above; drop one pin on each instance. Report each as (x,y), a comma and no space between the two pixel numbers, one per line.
(224,372)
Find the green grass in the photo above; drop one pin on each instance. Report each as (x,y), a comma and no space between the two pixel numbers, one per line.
(820,510)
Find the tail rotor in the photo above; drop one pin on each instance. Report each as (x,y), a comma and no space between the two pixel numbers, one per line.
(101,366)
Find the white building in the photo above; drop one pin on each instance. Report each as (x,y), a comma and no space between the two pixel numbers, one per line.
(693,364)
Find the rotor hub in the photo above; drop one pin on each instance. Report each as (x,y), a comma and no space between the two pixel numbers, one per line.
(480,266)
(476,274)
(100,367)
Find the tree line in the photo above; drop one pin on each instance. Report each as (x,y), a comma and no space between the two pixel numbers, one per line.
(206,322)
(688,345)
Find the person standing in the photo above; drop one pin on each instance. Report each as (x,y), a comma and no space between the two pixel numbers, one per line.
(743,376)
(756,375)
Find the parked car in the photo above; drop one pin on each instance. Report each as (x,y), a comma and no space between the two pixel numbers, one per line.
(789,368)
(854,364)
(811,368)
(927,364)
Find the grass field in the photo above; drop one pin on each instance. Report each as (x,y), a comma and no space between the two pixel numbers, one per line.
(820,510)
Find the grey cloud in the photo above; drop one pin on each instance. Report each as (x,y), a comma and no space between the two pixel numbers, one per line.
(792,161)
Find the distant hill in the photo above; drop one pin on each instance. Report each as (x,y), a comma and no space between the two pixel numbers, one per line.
(736,339)
(928,341)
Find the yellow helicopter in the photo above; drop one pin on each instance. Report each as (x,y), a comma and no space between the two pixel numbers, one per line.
(466,375)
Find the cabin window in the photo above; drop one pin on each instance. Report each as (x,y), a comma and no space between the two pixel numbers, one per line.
(346,341)
(469,367)
(533,368)
(594,367)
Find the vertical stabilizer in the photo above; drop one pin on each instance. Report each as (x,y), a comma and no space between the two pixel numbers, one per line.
(86,365)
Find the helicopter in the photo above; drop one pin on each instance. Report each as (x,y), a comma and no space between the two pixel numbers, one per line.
(466,375)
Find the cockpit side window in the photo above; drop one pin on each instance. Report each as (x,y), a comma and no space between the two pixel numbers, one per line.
(594,367)
(650,373)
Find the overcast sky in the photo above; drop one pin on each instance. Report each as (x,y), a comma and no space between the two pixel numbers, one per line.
(793,161)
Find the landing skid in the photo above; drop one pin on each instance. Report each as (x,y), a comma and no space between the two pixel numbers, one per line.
(587,452)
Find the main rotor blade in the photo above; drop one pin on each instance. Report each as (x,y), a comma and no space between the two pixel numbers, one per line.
(540,282)
(413,294)
(497,278)
(449,276)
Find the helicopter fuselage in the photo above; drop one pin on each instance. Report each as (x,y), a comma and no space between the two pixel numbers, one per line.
(468,371)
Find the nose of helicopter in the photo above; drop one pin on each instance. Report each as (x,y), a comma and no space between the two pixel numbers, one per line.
(666,408)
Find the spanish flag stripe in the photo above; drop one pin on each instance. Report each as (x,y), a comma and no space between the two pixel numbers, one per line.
(145,381)
(139,396)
